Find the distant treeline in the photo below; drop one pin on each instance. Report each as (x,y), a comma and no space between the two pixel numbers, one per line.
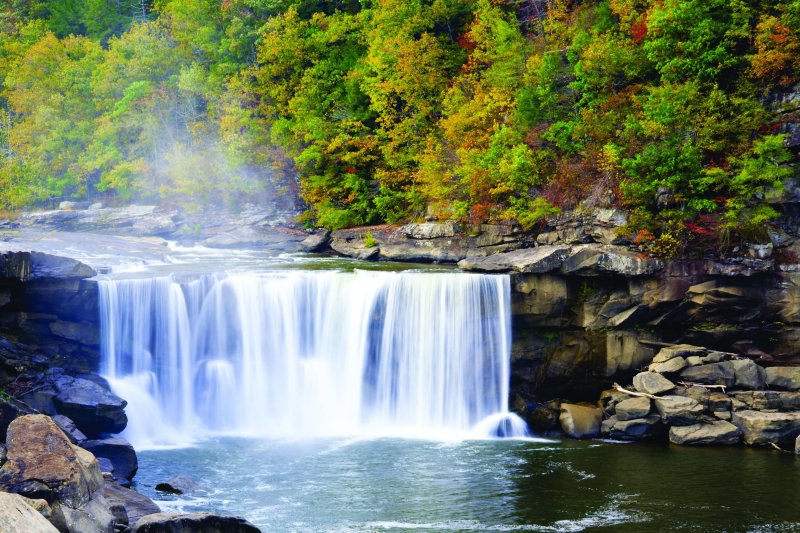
(390,110)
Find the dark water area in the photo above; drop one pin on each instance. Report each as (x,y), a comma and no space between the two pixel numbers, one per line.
(502,485)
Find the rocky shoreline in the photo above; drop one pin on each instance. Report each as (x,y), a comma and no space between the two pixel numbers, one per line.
(706,350)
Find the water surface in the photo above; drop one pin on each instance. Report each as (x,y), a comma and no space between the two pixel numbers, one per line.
(492,485)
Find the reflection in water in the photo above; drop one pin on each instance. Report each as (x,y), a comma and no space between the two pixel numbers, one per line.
(416,485)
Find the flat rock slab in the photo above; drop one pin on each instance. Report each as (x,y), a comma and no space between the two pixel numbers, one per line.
(678,410)
(784,377)
(529,260)
(678,350)
(711,374)
(759,428)
(636,429)
(192,523)
(674,365)
(633,408)
(652,383)
(719,433)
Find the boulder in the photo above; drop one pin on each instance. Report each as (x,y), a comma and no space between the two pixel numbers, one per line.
(42,463)
(759,400)
(316,242)
(636,429)
(18,516)
(354,248)
(784,377)
(180,484)
(94,410)
(678,410)
(580,421)
(121,454)
(711,374)
(633,408)
(136,505)
(718,433)
(603,260)
(46,266)
(652,383)
(759,428)
(748,375)
(192,523)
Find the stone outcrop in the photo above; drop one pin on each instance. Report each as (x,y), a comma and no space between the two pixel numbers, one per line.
(580,421)
(192,523)
(716,433)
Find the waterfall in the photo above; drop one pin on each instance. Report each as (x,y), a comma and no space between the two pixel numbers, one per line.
(298,353)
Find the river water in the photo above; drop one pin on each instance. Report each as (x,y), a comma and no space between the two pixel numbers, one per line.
(376,425)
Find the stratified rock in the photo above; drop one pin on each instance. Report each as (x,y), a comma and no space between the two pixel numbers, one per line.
(136,505)
(784,377)
(676,364)
(354,247)
(94,409)
(121,454)
(15,265)
(633,408)
(711,374)
(192,523)
(429,230)
(580,421)
(180,484)
(652,383)
(678,410)
(759,400)
(636,429)
(17,516)
(84,332)
(760,428)
(602,260)
(42,463)
(69,428)
(719,433)
(748,375)
(529,260)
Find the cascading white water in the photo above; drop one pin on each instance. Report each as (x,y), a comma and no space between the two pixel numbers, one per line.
(300,353)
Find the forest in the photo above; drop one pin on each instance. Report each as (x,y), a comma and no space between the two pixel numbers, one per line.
(397,110)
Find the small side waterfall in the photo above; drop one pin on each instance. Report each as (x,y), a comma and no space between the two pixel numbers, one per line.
(299,353)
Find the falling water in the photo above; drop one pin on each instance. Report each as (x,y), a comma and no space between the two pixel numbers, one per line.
(301,353)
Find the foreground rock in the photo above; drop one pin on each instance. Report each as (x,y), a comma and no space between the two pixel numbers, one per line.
(94,409)
(18,516)
(121,454)
(180,484)
(192,523)
(760,428)
(42,463)
(135,505)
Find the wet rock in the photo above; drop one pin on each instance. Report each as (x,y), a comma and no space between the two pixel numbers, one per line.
(652,383)
(580,421)
(711,374)
(18,516)
(678,410)
(180,484)
(633,408)
(748,375)
(528,260)
(94,409)
(121,454)
(784,377)
(192,523)
(759,428)
(636,429)
(84,333)
(69,428)
(15,265)
(136,505)
(719,433)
